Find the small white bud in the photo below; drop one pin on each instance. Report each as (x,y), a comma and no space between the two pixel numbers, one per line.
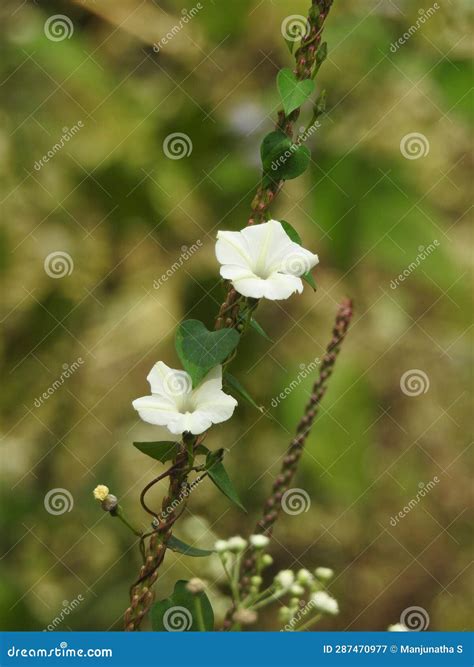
(284,579)
(284,614)
(221,545)
(259,541)
(236,543)
(324,573)
(324,603)
(195,585)
(267,560)
(304,577)
(297,590)
(397,627)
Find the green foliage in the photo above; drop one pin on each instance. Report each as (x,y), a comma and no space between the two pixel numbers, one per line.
(240,389)
(218,474)
(183,611)
(181,547)
(200,350)
(161,451)
(293,93)
(259,329)
(281,158)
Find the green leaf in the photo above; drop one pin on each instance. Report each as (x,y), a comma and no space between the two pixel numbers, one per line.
(183,611)
(201,450)
(273,147)
(291,232)
(161,451)
(296,238)
(293,92)
(221,479)
(282,159)
(308,277)
(235,384)
(200,350)
(182,548)
(255,325)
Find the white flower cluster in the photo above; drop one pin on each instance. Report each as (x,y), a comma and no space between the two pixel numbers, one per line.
(261,262)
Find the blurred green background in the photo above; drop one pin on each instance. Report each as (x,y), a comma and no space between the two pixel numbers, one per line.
(122,211)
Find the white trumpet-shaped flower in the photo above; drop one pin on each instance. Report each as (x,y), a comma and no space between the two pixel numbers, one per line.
(262,261)
(175,404)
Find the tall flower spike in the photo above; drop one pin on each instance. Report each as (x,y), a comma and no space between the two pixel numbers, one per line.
(175,404)
(263,262)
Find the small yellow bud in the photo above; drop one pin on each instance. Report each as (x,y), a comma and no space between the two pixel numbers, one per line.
(101,492)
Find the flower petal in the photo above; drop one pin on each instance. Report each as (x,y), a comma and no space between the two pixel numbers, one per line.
(251,286)
(296,261)
(166,381)
(281,286)
(231,248)
(155,409)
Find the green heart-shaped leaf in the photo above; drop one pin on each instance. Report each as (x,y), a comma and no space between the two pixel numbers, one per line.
(200,349)
(161,451)
(293,92)
(182,548)
(183,611)
(282,159)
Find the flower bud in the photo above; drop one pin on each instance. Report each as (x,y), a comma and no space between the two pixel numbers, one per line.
(101,492)
(397,627)
(259,541)
(245,616)
(284,579)
(324,603)
(195,585)
(256,581)
(110,503)
(296,589)
(221,545)
(304,577)
(266,560)
(237,543)
(324,573)
(284,614)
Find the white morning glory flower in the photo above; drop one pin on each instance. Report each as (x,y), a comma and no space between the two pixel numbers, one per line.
(175,404)
(262,261)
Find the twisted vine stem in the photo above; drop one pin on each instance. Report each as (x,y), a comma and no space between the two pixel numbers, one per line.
(141,595)
(272,506)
